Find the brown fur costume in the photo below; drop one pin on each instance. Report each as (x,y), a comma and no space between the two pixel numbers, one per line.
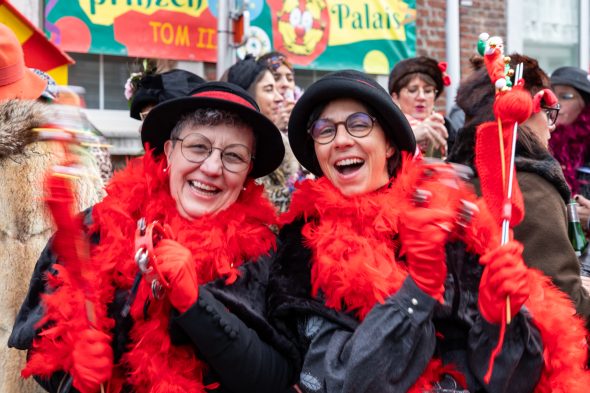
(25,226)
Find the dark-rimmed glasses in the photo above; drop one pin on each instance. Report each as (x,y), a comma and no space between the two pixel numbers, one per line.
(197,148)
(358,125)
(552,113)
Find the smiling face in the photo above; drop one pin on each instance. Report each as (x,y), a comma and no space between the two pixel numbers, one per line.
(206,187)
(353,165)
(267,96)
(416,98)
(571,103)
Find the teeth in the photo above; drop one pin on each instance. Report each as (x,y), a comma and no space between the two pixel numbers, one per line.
(202,186)
(349,161)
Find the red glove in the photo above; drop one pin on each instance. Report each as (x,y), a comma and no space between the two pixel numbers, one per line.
(424,233)
(92,361)
(505,274)
(176,264)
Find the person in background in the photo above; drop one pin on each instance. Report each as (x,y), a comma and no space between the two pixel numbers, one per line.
(146,91)
(569,143)
(415,84)
(544,229)
(372,288)
(24,161)
(191,207)
(256,77)
(284,75)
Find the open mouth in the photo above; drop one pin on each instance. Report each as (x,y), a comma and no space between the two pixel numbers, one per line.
(202,188)
(349,165)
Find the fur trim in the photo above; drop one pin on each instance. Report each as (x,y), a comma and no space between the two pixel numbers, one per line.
(219,242)
(354,264)
(17,119)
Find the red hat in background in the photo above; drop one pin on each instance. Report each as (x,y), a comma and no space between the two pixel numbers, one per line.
(16,80)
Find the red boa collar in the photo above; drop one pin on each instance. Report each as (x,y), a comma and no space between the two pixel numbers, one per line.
(355,265)
(219,243)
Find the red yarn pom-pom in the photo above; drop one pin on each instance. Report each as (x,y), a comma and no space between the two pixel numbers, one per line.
(513,106)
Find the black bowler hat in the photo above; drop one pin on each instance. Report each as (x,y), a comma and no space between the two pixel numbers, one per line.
(157,88)
(161,120)
(346,84)
(574,77)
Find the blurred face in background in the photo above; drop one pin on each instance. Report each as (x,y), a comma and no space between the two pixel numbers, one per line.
(416,98)
(267,96)
(571,103)
(285,79)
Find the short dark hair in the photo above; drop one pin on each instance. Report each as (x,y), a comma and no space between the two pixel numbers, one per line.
(406,79)
(208,117)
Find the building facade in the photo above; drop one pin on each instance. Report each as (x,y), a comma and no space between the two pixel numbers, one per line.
(556,33)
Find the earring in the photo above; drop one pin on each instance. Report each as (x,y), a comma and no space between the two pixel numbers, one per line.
(165,170)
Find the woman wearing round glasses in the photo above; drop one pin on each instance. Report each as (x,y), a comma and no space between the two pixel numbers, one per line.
(544,230)
(180,228)
(359,282)
(415,84)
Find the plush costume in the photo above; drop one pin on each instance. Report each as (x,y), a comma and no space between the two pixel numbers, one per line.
(25,224)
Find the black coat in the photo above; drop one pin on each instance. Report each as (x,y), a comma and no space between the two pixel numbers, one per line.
(392,346)
(254,356)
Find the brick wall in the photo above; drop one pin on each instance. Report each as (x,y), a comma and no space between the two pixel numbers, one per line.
(481,16)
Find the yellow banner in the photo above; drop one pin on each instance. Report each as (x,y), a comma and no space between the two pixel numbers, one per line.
(364,20)
(104,12)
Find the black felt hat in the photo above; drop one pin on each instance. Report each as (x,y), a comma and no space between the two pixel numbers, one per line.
(574,77)
(244,72)
(160,122)
(346,84)
(157,88)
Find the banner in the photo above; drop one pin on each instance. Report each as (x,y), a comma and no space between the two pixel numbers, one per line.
(368,35)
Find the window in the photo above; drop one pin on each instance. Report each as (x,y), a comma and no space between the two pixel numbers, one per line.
(551,32)
(103,77)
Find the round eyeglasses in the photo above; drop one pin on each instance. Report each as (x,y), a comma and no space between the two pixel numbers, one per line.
(552,113)
(358,125)
(197,148)
(414,91)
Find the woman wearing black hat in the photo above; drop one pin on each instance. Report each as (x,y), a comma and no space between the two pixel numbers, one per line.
(360,282)
(569,143)
(257,78)
(181,227)
(415,84)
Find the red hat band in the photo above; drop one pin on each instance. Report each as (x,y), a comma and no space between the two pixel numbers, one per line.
(223,95)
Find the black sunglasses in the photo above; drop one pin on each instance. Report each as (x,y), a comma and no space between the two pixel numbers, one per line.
(552,113)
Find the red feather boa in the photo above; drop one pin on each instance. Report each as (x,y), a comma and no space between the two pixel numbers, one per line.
(219,244)
(354,264)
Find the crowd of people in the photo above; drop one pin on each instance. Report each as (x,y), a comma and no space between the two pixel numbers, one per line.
(279,240)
